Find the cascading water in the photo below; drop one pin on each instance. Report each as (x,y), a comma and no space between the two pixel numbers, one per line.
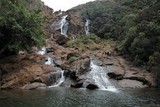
(99,77)
(86,26)
(49,61)
(60,80)
(64,25)
(42,51)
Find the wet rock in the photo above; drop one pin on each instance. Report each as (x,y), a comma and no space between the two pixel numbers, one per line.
(52,77)
(61,39)
(73,75)
(109,63)
(58,63)
(140,79)
(80,66)
(115,76)
(35,85)
(51,49)
(99,63)
(77,85)
(131,84)
(92,86)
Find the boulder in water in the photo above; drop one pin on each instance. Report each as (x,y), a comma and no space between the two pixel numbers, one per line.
(51,78)
(34,86)
(77,85)
(92,86)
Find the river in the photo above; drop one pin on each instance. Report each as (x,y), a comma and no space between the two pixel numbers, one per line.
(70,97)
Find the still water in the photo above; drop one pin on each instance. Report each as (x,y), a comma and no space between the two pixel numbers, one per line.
(69,97)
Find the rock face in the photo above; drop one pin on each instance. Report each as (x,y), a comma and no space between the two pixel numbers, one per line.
(52,78)
(20,70)
(80,66)
(76,24)
(60,39)
(128,76)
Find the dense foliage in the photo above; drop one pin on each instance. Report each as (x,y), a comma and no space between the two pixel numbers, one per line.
(135,24)
(20,27)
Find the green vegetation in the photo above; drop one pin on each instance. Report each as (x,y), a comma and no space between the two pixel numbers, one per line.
(134,24)
(82,40)
(72,59)
(20,27)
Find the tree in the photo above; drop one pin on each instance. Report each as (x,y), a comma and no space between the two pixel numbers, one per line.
(20,29)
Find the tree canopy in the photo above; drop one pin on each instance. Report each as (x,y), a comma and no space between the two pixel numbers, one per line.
(20,28)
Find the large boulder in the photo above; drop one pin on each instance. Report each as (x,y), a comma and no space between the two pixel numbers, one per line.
(92,86)
(61,39)
(80,66)
(51,78)
(35,85)
(89,84)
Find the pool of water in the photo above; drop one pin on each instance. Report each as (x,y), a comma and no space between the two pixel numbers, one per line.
(69,97)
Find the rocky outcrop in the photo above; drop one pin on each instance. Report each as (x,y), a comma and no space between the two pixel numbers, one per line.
(60,39)
(140,79)
(76,24)
(22,69)
(35,85)
(115,76)
(80,66)
(130,84)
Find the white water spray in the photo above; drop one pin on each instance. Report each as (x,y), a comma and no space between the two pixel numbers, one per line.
(60,80)
(64,25)
(61,24)
(42,51)
(99,76)
(49,61)
(86,26)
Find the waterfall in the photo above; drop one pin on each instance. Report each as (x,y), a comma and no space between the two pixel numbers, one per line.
(49,61)
(64,25)
(99,76)
(61,24)
(42,51)
(60,80)
(59,75)
(86,26)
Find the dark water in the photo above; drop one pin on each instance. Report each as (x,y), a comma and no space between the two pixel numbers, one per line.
(68,97)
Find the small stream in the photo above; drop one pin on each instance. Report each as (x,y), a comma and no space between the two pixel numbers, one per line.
(70,97)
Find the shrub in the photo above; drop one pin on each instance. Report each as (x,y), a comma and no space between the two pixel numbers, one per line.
(82,40)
